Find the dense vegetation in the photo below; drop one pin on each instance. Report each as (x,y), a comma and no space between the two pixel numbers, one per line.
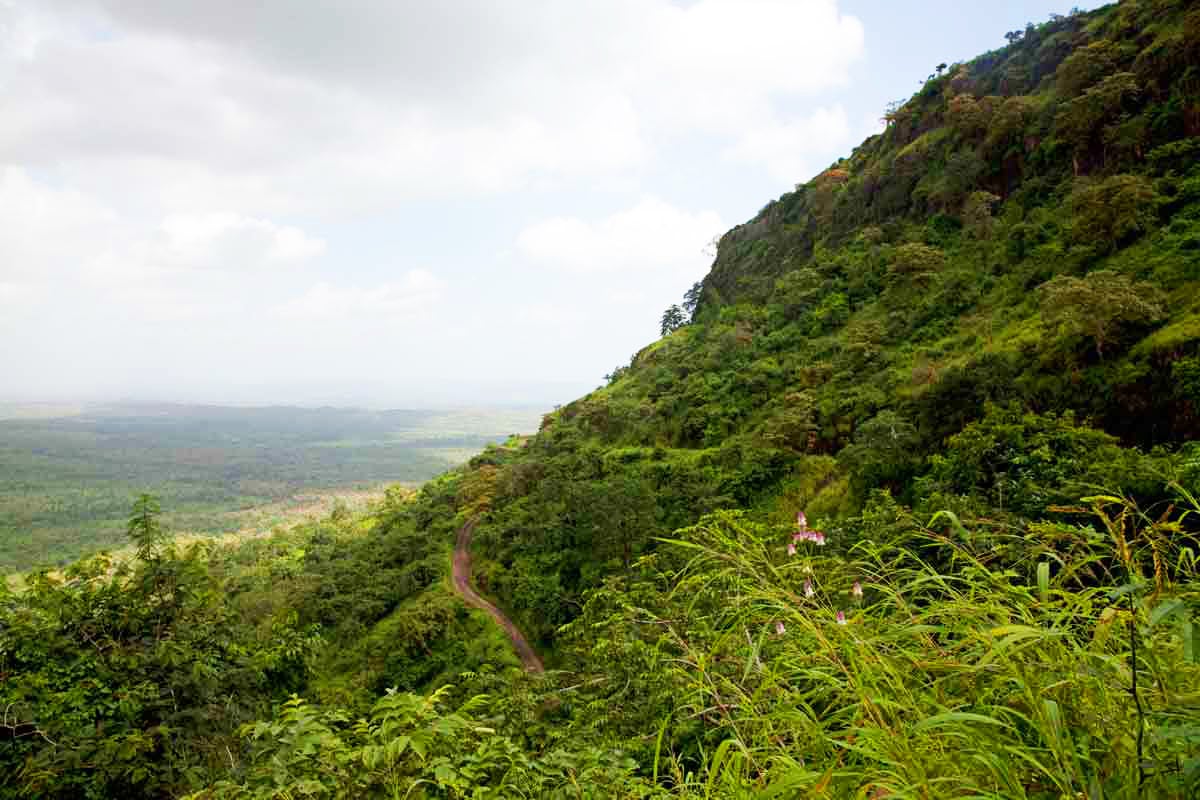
(66,480)
(905,504)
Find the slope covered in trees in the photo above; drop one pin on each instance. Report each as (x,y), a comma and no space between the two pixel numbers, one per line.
(907,508)
(983,309)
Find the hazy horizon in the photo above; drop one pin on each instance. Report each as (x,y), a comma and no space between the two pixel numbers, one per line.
(516,396)
(407,205)
(299,401)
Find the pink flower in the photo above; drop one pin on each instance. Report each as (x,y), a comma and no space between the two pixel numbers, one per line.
(841,617)
(779,629)
(856,590)
(806,534)
(809,536)
(809,591)
(791,548)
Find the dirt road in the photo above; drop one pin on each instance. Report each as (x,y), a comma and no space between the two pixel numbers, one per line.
(462,585)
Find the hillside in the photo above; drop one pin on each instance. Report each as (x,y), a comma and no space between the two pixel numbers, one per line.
(989,299)
(903,504)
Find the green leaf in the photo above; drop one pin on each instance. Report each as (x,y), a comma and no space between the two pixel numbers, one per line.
(951,717)
(1107,498)
(1166,609)
(721,763)
(419,747)
(954,521)
(662,729)
(1125,589)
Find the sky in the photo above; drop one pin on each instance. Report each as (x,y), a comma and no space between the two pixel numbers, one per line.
(408,204)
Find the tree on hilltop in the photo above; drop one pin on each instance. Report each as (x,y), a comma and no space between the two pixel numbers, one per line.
(672,319)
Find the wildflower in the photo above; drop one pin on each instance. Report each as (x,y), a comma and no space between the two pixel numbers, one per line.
(791,548)
(809,536)
(779,628)
(805,534)
(841,617)
(856,591)
(809,591)
(807,569)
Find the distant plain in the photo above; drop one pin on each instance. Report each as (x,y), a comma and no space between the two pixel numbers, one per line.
(68,473)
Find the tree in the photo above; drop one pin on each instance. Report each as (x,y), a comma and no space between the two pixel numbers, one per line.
(968,116)
(691,299)
(1084,120)
(977,212)
(144,529)
(794,425)
(959,176)
(1006,125)
(1098,305)
(673,319)
(884,452)
(1085,67)
(1111,213)
(916,260)
(119,681)
(1020,461)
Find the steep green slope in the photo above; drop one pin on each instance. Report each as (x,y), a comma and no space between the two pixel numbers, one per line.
(1025,231)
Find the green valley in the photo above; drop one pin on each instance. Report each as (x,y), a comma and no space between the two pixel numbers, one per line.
(68,475)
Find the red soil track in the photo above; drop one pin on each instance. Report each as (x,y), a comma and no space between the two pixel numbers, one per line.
(462,585)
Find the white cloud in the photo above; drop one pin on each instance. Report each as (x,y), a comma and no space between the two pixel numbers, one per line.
(232,242)
(62,243)
(651,236)
(47,229)
(413,295)
(627,297)
(789,150)
(259,104)
(612,276)
(720,63)
(174,173)
(13,293)
(18,33)
(551,316)
(50,231)
(156,304)
(872,124)
(184,246)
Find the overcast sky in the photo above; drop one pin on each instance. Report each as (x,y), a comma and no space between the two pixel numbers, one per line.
(408,203)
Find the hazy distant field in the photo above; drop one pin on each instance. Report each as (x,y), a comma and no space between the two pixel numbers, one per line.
(68,474)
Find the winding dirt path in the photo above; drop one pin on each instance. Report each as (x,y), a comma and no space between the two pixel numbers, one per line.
(462,585)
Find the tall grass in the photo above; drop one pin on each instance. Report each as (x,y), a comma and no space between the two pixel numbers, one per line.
(1057,661)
